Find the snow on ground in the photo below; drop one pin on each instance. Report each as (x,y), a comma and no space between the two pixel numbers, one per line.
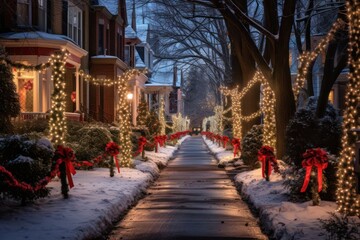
(222,155)
(94,203)
(278,216)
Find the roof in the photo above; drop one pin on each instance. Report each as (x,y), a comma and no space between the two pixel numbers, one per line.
(130,33)
(165,78)
(142,31)
(111,5)
(139,63)
(33,35)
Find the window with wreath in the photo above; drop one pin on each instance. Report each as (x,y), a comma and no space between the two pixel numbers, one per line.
(75,24)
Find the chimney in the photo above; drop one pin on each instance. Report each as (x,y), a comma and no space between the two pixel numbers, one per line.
(175,76)
(133,17)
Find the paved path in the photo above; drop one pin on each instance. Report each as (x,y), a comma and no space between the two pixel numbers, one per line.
(192,199)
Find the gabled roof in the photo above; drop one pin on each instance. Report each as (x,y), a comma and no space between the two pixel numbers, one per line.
(139,63)
(111,5)
(130,33)
(142,32)
(164,78)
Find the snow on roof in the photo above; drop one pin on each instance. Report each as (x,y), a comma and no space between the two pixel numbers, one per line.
(111,5)
(104,56)
(139,63)
(130,33)
(165,78)
(142,31)
(33,35)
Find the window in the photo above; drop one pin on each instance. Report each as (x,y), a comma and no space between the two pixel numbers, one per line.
(42,15)
(127,55)
(101,39)
(23,12)
(75,24)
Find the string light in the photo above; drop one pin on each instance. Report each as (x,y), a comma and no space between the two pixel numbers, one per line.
(180,123)
(107,82)
(346,195)
(162,119)
(267,107)
(123,116)
(307,58)
(57,121)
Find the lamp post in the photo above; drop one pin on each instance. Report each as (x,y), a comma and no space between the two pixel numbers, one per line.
(130,97)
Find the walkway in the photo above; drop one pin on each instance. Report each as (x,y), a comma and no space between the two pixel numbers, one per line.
(192,199)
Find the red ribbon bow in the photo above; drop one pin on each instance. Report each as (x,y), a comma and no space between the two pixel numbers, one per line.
(266,156)
(142,142)
(315,157)
(113,150)
(67,156)
(236,144)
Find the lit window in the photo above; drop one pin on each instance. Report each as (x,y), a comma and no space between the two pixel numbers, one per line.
(75,24)
(23,12)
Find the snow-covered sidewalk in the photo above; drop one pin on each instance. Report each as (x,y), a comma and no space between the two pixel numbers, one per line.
(279,217)
(94,203)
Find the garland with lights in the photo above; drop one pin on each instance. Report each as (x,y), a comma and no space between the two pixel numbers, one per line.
(346,195)
(108,82)
(307,58)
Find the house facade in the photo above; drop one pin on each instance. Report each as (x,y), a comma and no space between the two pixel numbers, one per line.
(31,32)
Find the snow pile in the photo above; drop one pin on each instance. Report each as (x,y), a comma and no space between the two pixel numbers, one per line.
(224,157)
(279,217)
(94,203)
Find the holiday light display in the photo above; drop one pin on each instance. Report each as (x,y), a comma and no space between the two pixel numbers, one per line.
(346,195)
(162,119)
(180,123)
(267,107)
(57,121)
(123,116)
(308,57)
(108,82)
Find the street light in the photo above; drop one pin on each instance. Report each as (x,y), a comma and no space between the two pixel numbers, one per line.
(130,96)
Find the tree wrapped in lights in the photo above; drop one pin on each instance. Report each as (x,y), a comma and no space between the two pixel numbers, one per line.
(162,119)
(346,195)
(123,117)
(307,58)
(143,113)
(180,123)
(57,121)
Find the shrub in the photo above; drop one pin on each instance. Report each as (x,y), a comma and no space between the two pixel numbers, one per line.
(36,125)
(306,131)
(340,227)
(29,160)
(251,143)
(89,142)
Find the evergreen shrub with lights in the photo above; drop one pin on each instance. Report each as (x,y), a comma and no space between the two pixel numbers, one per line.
(28,160)
(89,142)
(9,99)
(305,131)
(251,143)
(143,113)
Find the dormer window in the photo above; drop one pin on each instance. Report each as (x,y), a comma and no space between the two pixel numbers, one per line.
(75,24)
(23,12)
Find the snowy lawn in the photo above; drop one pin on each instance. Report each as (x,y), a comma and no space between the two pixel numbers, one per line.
(278,216)
(94,203)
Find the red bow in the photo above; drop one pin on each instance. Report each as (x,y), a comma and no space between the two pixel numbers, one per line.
(315,157)
(236,144)
(67,156)
(113,150)
(158,140)
(225,139)
(266,156)
(142,142)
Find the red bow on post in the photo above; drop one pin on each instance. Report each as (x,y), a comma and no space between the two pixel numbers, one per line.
(157,140)
(225,139)
(315,157)
(141,142)
(113,150)
(267,158)
(67,156)
(236,144)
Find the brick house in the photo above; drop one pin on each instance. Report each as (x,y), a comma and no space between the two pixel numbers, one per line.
(31,31)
